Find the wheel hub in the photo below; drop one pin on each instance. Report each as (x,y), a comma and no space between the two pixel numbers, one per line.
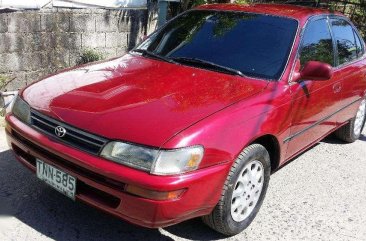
(247,190)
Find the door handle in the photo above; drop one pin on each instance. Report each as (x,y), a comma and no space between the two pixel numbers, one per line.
(337,88)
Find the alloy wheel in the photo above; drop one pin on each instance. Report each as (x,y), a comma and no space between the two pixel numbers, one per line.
(247,190)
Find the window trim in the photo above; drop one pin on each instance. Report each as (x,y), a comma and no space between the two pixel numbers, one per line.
(335,48)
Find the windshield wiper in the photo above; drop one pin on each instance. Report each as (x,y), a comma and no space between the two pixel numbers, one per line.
(209,64)
(147,53)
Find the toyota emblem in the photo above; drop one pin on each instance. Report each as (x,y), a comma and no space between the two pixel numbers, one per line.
(60,131)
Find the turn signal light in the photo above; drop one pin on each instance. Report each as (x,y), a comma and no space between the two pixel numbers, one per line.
(154,195)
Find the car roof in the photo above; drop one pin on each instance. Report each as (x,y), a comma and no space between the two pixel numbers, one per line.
(299,13)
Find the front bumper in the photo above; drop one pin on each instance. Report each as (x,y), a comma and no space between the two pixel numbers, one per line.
(101,183)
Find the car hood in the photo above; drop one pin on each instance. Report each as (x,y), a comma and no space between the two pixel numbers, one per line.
(137,99)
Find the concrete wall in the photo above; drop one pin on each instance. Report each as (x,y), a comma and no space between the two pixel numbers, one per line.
(37,43)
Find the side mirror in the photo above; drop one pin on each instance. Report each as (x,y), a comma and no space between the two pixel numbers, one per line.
(315,70)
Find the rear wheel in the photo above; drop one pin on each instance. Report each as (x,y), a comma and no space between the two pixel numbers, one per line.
(243,192)
(352,131)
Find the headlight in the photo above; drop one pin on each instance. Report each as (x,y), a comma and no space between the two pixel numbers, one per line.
(131,155)
(163,162)
(21,110)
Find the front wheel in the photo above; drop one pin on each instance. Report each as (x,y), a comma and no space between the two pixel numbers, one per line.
(243,192)
(352,131)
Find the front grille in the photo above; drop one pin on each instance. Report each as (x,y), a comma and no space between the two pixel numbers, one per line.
(74,137)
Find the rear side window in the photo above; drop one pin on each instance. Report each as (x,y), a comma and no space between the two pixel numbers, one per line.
(317,43)
(346,41)
(359,46)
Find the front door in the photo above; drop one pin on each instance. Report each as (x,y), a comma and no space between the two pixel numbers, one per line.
(314,102)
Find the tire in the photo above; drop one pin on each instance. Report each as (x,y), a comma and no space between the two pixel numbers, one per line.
(225,217)
(352,131)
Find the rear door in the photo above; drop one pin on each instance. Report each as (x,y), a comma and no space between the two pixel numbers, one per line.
(350,67)
(314,102)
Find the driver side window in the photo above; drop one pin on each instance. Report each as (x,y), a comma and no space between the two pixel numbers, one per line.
(317,43)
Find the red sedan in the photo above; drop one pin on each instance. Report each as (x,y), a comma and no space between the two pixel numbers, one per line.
(193,121)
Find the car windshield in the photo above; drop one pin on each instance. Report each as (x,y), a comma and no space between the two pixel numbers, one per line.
(240,43)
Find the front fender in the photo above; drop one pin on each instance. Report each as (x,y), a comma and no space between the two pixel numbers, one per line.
(226,133)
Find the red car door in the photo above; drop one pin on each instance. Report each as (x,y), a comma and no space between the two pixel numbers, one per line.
(314,102)
(351,67)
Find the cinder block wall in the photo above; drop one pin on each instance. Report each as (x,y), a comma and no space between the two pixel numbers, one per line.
(37,43)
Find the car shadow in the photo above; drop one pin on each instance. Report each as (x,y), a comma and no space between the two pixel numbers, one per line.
(332,139)
(289,162)
(50,213)
(194,229)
